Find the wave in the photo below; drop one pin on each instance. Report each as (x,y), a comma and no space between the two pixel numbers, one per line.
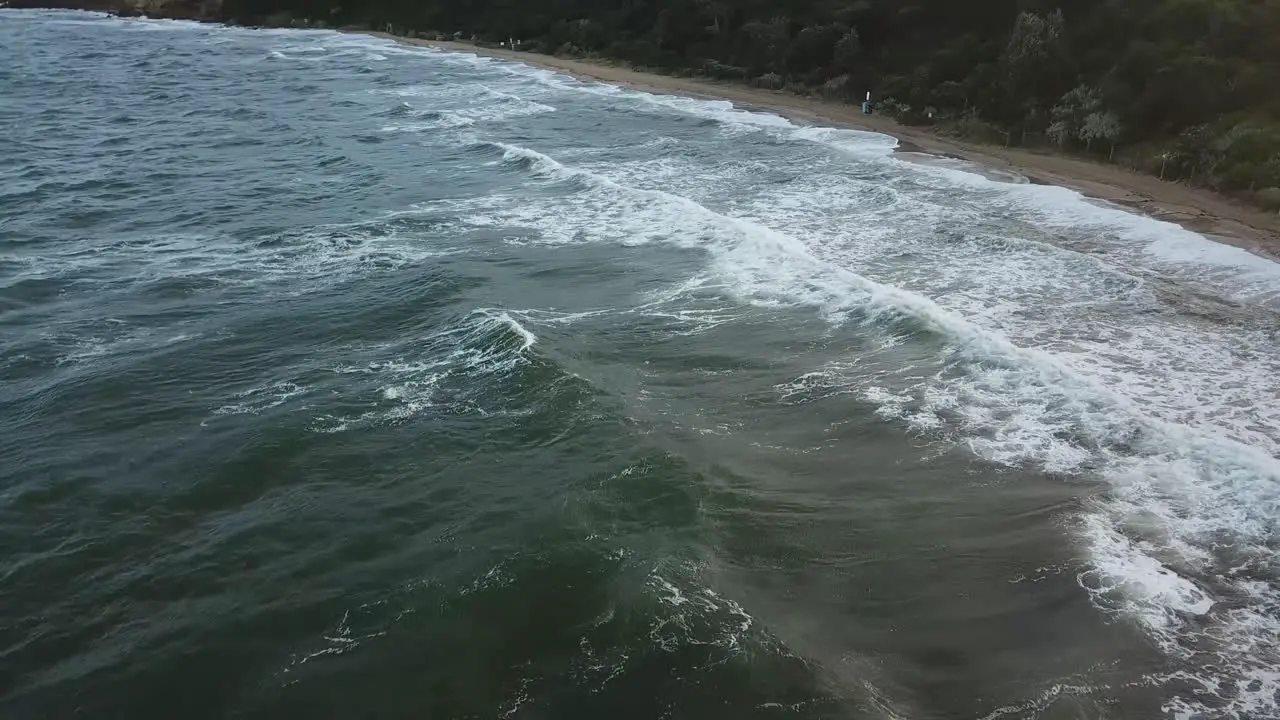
(487,320)
(1225,270)
(300,55)
(720,113)
(403,109)
(1184,541)
(446,372)
(431,121)
(464,105)
(257,400)
(1229,271)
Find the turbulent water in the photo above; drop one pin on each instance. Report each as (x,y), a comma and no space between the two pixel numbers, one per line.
(345,379)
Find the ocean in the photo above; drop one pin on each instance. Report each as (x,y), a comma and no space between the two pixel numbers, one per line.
(346,379)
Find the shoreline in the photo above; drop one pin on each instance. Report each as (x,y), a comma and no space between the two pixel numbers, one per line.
(1201,211)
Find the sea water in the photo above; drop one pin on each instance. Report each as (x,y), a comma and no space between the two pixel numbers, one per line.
(340,378)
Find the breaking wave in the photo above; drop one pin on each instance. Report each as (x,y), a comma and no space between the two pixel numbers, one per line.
(1184,541)
(344,236)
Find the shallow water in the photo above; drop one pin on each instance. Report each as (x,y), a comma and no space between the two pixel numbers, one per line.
(339,378)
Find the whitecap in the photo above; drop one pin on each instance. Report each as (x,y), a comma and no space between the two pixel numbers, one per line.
(1013,405)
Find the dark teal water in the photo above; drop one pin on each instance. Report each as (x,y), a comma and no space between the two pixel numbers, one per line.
(344,379)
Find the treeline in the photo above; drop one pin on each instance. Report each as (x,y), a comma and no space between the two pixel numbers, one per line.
(1186,89)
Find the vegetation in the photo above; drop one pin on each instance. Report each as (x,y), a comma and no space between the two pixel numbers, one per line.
(1186,89)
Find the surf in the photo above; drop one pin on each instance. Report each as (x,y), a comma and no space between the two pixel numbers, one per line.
(1015,405)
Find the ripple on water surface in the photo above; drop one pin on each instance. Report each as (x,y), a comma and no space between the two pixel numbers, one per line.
(341,377)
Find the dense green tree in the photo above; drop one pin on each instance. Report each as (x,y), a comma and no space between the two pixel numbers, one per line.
(845,58)
(1072,113)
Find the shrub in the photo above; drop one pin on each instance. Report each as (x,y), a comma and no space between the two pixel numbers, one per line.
(722,71)
(1268,198)
(972,127)
(769,81)
(837,88)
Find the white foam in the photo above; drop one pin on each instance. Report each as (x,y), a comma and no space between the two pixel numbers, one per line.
(1179,415)
(93,345)
(1204,477)
(1192,249)
(1244,276)
(697,615)
(724,112)
(257,400)
(1045,700)
(1227,271)
(721,111)
(487,343)
(443,121)
(553,317)
(320,255)
(853,141)
(465,104)
(341,639)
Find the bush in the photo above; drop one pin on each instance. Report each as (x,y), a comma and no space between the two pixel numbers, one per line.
(769,81)
(837,88)
(892,107)
(1268,198)
(1146,161)
(722,71)
(972,127)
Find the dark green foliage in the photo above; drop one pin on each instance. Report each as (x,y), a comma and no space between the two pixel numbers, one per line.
(1189,86)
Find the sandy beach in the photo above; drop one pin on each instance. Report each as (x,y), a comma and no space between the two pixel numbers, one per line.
(1202,211)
